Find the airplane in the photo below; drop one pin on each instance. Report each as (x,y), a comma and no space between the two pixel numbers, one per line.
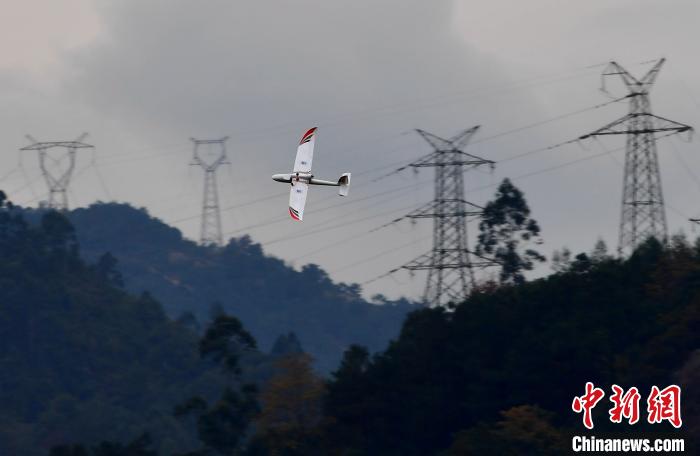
(302,177)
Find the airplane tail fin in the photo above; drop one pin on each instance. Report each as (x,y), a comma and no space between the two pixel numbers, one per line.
(344,183)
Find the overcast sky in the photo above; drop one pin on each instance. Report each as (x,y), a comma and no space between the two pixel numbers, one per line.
(143,76)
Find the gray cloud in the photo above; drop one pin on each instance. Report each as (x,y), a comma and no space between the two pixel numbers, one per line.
(365,72)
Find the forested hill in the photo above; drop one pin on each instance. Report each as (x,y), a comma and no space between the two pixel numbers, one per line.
(268,296)
(498,374)
(80,358)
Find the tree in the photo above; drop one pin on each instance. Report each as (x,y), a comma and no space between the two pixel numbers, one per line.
(106,268)
(291,416)
(286,344)
(188,320)
(561,260)
(600,252)
(688,377)
(224,342)
(507,232)
(69,450)
(523,429)
(354,363)
(223,426)
(347,404)
(139,447)
(59,232)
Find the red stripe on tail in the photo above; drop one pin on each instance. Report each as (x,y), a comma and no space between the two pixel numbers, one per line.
(307,135)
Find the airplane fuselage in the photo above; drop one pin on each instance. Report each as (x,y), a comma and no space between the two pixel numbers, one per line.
(306,178)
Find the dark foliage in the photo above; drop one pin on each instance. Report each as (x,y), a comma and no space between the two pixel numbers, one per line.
(83,360)
(139,447)
(495,375)
(222,427)
(473,373)
(286,344)
(269,297)
(225,341)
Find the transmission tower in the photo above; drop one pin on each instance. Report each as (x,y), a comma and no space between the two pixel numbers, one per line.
(57,153)
(643,214)
(449,263)
(209,161)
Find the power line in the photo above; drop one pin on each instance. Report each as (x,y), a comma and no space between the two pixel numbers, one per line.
(276,220)
(519,129)
(399,189)
(433,101)
(379,255)
(688,169)
(516,178)
(229,208)
(330,228)
(8,174)
(550,120)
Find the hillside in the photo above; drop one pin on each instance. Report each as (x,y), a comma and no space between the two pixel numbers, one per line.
(81,358)
(84,360)
(268,296)
(498,374)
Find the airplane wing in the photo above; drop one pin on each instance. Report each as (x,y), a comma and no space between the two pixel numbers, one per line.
(297,200)
(305,152)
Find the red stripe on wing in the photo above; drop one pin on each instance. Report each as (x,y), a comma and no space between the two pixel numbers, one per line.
(294,216)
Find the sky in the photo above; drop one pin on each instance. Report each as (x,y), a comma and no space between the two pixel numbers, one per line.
(143,77)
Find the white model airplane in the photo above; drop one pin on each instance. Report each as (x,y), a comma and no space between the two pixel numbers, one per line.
(301,178)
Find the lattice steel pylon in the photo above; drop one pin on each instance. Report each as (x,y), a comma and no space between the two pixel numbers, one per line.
(643,213)
(211,233)
(57,183)
(449,263)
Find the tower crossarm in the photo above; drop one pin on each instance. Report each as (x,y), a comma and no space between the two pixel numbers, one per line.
(426,261)
(49,144)
(457,141)
(649,124)
(462,208)
(634,85)
(220,159)
(458,158)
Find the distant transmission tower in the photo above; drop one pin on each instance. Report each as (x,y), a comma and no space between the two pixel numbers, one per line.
(643,213)
(449,263)
(56,152)
(211,215)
